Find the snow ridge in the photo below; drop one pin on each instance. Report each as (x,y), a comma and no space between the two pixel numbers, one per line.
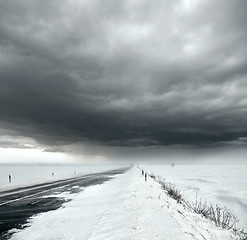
(124,208)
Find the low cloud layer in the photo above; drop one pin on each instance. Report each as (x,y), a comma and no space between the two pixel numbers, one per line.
(128,73)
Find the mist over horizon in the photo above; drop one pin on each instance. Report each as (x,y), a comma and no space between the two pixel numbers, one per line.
(133,81)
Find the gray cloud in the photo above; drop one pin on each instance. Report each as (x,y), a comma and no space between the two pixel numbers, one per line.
(124,73)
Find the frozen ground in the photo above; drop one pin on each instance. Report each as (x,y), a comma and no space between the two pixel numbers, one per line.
(223,184)
(126,208)
(25,175)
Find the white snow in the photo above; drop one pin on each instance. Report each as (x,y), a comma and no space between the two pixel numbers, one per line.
(126,208)
(223,184)
(28,175)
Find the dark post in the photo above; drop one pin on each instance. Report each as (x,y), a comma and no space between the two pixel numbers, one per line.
(145,177)
(9,178)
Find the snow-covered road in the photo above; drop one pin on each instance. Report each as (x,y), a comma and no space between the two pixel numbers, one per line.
(126,208)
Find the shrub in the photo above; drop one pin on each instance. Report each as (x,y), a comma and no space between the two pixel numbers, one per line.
(220,216)
(172,192)
(198,207)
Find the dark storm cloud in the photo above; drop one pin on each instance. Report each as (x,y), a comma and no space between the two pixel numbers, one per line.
(128,73)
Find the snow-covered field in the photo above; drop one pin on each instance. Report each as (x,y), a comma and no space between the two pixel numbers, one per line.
(23,175)
(123,208)
(223,184)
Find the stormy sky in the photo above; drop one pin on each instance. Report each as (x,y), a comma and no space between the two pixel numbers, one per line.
(122,74)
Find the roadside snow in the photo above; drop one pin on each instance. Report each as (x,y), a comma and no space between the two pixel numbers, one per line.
(28,175)
(222,184)
(126,208)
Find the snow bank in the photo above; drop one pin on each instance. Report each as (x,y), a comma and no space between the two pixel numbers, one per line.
(125,207)
(217,184)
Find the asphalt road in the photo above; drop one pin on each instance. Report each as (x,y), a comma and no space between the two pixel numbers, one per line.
(17,205)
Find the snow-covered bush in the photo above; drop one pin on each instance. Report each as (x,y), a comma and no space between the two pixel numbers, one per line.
(172,191)
(221,216)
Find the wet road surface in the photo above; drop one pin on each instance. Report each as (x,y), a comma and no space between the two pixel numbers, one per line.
(17,205)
